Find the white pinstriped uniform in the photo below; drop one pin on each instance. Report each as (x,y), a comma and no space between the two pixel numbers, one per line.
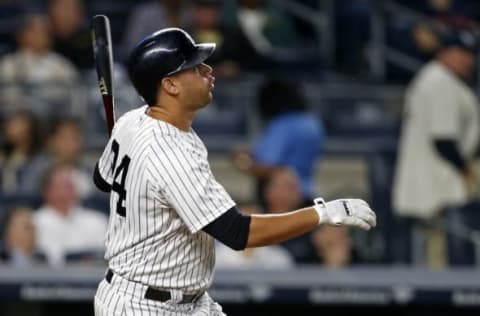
(163,194)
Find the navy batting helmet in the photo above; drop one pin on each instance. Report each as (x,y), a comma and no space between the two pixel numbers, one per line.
(162,54)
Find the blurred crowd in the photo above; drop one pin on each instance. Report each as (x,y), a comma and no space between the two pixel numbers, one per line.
(51,116)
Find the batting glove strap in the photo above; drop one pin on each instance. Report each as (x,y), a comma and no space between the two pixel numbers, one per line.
(349,212)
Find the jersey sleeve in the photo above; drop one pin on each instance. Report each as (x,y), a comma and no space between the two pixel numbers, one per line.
(188,184)
(105,163)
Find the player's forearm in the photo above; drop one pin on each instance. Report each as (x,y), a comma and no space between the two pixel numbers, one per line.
(275,228)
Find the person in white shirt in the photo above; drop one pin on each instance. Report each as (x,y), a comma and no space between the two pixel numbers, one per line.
(439,139)
(63,226)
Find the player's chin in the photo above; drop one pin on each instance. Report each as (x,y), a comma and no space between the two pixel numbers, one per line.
(207,100)
(209,97)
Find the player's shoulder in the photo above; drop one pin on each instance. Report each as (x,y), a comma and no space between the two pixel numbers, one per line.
(132,114)
(164,132)
(128,119)
(171,143)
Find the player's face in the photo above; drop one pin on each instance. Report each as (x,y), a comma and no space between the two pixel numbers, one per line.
(196,86)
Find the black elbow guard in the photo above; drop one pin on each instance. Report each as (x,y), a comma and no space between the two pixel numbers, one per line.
(231,228)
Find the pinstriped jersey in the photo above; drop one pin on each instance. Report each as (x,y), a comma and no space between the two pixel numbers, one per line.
(162,194)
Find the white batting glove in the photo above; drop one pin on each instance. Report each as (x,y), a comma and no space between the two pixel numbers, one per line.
(349,212)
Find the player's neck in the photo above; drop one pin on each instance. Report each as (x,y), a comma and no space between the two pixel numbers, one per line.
(178,118)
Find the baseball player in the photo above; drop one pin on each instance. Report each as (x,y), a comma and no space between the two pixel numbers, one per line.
(166,206)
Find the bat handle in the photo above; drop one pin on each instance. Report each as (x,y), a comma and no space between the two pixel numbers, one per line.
(108,103)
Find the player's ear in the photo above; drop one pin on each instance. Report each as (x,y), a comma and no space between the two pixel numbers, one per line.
(170,85)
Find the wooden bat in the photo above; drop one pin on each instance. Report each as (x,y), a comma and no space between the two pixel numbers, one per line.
(103,56)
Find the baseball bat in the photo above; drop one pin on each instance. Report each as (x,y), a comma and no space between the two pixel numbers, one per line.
(103,56)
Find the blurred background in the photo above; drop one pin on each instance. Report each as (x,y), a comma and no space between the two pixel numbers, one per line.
(359,98)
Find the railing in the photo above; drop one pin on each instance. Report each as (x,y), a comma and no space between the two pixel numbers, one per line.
(374,286)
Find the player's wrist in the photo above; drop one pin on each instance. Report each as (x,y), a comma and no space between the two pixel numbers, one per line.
(320,206)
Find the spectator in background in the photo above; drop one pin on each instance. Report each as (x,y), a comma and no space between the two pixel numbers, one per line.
(426,41)
(282,192)
(207,27)
(291,138)
(270,257)
(263,32)
(34,64)
(333,246)
(448,14)
(152,16)
(64,145)
(22,142)
(419,38)
(420,42)
(18,242)
(444,14)
(440,136)
(64,227)
(71,36)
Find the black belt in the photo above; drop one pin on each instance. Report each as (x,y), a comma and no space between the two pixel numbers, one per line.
(159,295)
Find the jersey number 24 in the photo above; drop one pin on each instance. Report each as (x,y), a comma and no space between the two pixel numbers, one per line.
(119,172)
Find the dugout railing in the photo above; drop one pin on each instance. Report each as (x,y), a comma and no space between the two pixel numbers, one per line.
(378,288)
